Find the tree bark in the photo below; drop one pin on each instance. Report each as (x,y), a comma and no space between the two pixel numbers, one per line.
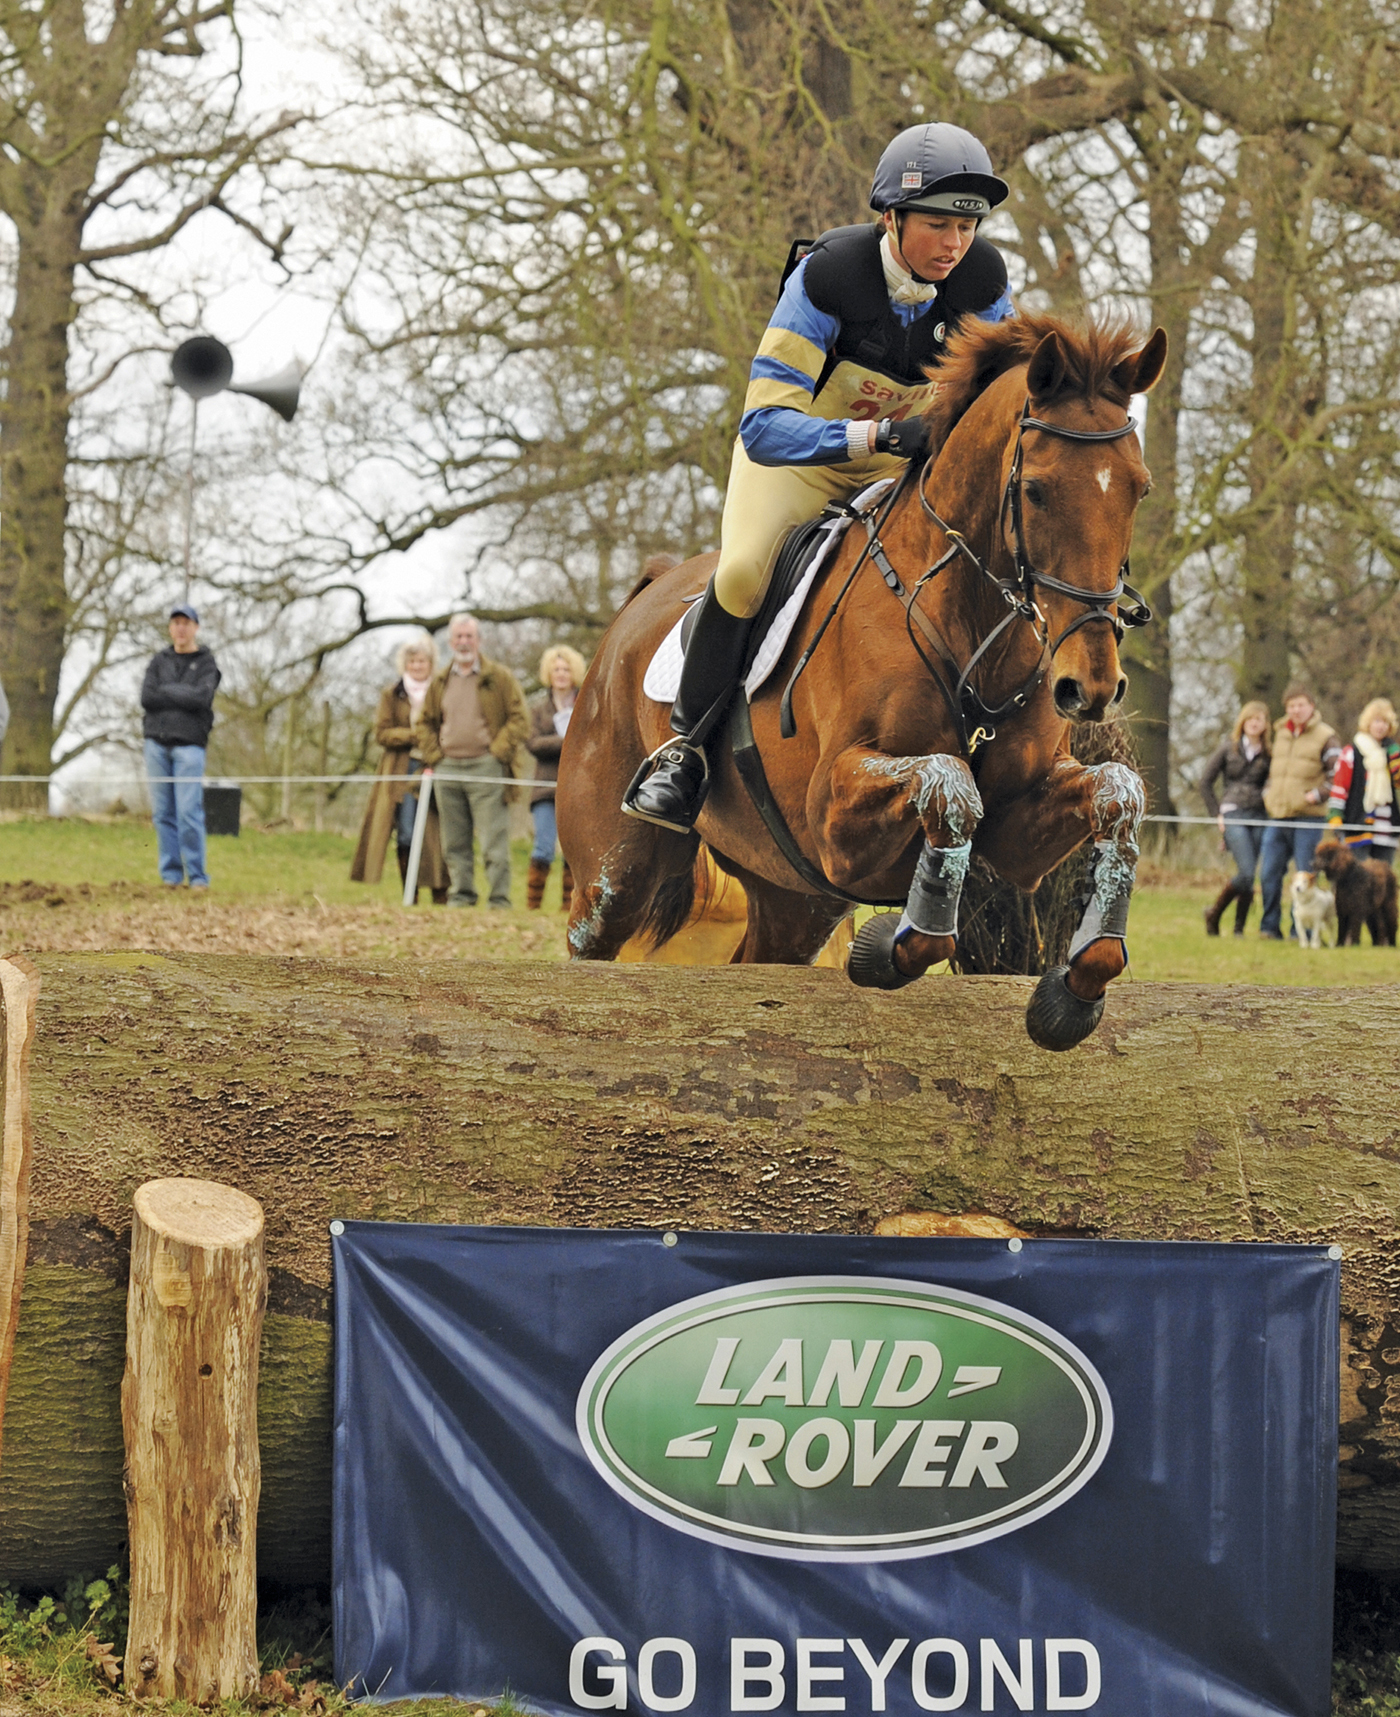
(19,994)
(34,605)
(190,1419)
(732,1098)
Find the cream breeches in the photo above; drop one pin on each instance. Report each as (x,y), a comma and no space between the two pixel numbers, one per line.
(762,505)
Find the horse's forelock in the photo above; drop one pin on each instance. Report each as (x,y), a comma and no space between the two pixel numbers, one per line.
(981,351)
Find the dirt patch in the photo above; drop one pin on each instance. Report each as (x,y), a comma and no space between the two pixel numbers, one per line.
(41,918)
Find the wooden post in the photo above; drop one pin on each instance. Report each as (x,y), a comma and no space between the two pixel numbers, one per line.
(289,740)
(190,1422)
(19,993)
(323,750)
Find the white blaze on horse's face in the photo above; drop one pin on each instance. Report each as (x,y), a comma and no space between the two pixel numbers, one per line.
(1105,477)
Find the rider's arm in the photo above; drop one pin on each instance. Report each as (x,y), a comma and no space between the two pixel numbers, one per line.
(778,426)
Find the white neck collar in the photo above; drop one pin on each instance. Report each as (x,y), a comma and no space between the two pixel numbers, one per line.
(901,284)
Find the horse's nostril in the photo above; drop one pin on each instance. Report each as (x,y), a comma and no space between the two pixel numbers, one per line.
(1069,698)
(1122,691)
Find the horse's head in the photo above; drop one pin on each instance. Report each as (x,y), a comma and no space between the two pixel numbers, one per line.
(1073,478)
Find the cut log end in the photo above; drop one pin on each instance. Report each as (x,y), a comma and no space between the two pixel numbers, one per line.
(199,1213)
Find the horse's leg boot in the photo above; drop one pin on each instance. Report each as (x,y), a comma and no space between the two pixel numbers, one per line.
(674,789)
(534,883)
(567,894)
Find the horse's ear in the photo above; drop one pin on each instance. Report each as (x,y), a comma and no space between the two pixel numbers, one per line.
(1143,370)
(1047,368)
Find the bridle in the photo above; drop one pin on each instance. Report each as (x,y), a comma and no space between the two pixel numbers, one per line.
(974,718)
(1029,577)
(965,701)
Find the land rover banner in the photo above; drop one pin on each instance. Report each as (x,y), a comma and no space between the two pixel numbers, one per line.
(719,1473)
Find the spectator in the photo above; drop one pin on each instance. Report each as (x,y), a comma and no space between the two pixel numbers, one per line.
(1243,759)
(1305,751)
(177,695)
(561,675)
(473,721)
(393,804)
(1364,786)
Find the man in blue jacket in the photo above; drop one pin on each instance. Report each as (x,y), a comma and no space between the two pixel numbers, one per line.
(177,695)
(835,393)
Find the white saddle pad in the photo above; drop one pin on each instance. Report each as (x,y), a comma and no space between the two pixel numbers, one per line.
(663,676)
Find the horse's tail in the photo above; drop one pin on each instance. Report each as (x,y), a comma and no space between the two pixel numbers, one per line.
(651,571)
(674,898)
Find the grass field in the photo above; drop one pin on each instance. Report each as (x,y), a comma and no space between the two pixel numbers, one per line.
(76,884)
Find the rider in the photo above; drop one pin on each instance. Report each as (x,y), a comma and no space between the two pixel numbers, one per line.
(833,405)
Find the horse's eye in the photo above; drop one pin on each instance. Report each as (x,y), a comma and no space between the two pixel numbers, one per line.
(1035,493)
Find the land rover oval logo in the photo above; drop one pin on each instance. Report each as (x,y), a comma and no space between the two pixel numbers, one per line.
(844,1418)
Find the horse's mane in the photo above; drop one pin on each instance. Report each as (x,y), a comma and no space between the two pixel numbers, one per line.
(979,352)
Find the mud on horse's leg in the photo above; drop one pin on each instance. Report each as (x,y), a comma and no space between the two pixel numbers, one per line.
(1068,1002)
(889,953)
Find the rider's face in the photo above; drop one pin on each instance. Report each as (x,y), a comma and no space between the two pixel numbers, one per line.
(931,245)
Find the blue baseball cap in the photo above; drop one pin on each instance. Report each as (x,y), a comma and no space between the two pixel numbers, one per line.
(184,611)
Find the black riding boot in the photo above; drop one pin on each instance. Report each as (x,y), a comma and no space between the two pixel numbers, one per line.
(674,790)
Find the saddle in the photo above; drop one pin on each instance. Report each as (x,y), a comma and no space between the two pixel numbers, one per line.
(804,552)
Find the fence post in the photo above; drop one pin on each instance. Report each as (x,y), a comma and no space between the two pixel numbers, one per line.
(19,994)
(323,751)
(288,757)
(190,1421)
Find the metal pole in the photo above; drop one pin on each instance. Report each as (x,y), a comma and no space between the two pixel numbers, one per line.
(415,847)
(189,496)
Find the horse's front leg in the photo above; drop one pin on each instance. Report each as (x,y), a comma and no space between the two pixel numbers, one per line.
(1106,799)
(872,801)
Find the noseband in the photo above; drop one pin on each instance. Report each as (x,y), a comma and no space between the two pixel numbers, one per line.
(1133,612)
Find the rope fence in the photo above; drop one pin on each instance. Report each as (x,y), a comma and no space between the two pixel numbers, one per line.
(107,781)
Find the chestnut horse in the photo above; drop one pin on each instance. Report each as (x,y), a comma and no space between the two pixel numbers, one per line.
(947,658)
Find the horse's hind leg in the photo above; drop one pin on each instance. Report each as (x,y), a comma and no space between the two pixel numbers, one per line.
(785,927)
(643,882)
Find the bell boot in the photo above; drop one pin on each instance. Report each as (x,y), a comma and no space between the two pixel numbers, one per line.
(534,883)
(1226,895)
(567,901)
(1244,899)
(674,790)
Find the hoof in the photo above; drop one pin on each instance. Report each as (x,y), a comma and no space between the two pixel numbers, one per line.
(871,963)
(1056,1018)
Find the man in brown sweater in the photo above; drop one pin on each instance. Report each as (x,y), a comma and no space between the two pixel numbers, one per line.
(472,723)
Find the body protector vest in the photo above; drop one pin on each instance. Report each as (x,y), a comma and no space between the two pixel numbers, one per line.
(877,367)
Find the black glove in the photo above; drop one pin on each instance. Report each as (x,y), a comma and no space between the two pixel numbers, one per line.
(907,438)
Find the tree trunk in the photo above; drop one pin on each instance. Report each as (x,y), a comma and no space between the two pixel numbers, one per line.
(733,1098)
(190,1420)
(19,995)
(34,502)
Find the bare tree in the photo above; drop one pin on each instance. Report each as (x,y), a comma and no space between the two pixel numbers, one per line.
(114,135)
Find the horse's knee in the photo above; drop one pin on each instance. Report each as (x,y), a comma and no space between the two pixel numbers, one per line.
(941,791)
(1118,805)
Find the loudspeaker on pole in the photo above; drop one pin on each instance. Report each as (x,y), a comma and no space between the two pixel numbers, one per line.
(203,366)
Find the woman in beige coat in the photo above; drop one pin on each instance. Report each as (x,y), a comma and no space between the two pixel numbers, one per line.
(392,805)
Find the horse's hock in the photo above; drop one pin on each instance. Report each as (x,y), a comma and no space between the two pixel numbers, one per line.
(747,1097)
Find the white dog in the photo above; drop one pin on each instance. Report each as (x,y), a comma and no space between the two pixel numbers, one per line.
(1313,910)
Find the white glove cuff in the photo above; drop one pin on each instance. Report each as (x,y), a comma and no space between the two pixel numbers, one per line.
(858,439)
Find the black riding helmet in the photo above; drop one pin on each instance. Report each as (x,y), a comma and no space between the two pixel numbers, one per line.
(937,169)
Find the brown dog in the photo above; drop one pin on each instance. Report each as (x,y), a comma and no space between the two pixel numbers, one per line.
(1365,892)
